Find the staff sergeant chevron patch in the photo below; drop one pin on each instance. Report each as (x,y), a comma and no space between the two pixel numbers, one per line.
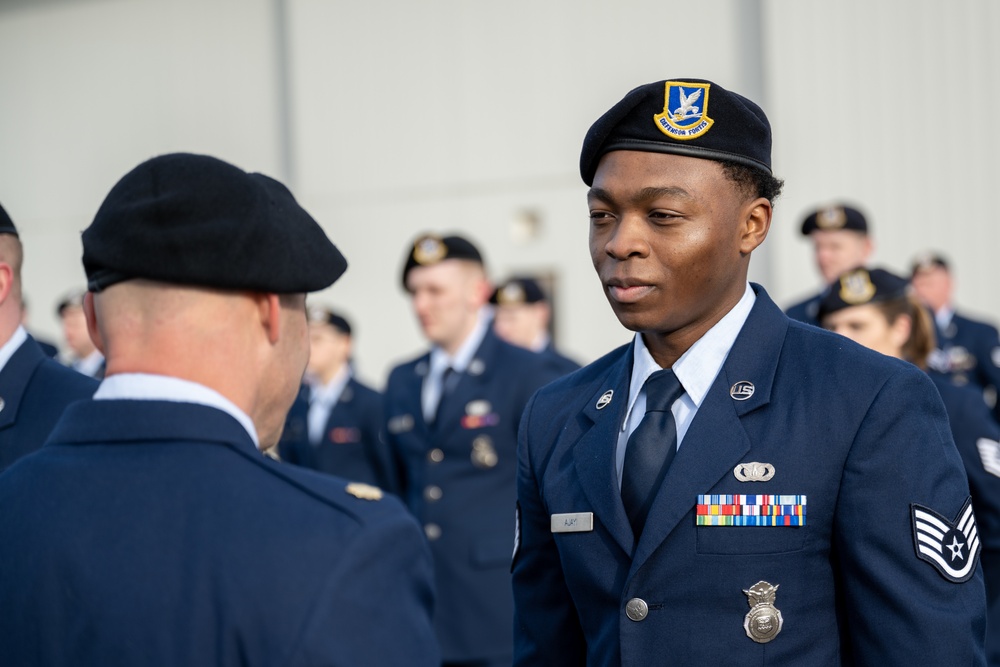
(951,547)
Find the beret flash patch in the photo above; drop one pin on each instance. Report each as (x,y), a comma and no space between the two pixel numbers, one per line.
(685,110)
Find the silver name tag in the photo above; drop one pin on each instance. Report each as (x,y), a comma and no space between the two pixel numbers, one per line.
(575,522)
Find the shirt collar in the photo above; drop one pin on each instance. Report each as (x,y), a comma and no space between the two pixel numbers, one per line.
(463,357)
(329,393)
(149,387)
(700,364)
(11,346)
(943,316)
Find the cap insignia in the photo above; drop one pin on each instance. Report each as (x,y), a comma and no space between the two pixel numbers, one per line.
(511,294)
(685,110)
(429,250)
(833,217)
(856,287)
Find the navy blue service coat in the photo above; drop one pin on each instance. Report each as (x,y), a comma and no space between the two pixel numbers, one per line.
(458,480)
(860,435)
(806,311)
(562,365)
(34,391)
(154,533)
(353,444)
(968,353)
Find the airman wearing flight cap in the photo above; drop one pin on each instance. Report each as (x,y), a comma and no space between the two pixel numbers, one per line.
(452,417)
(150,529)
(968,350)
(840,240)
(878,309)
(732,487)
(34,389)
(521,317)
(335,425)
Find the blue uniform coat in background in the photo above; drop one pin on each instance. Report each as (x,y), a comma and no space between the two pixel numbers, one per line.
(458,480)
(353,444)
(34,391)
(860,435)
(154,533)
(968,353)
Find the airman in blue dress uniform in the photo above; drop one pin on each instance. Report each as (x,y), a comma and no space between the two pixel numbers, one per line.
(840,241)
(34,389)
(336,423)
(150,529)
(733,487)
(452,419)
(522,314)
(968,350)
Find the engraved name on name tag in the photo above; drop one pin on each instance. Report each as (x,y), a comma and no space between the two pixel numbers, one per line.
(574,522)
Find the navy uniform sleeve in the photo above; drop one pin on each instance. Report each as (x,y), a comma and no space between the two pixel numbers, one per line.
(376,606)
(901,610)
(989,364)
(546,628)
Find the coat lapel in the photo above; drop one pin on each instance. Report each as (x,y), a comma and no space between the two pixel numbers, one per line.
(14,378)
(594,452)
(716,440)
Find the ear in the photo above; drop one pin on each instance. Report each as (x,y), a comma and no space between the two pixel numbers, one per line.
(269,311)
(6,281)
(755,224)
(899,331)
(90,312)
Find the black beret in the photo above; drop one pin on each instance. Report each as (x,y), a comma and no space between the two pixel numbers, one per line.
(429,249)
(196,220)
(6,224)
(862,286)
(690,117)
(834,217)
(72,299)
(927,261)
(516,291)
(327,316)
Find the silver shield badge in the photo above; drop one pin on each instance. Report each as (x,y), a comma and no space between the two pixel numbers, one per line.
(763,622)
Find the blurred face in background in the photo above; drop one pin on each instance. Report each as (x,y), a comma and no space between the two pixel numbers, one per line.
(446,299)
(329,350)
(933,287)
(522,324)
(867,325)
(839,250)
(74,325)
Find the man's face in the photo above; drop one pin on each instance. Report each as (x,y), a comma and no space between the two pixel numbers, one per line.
(521,324)
(933,287)
(839,250)
(74,324)
(665,238)
(446,299)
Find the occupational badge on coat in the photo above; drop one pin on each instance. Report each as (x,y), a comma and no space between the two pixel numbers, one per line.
(685,110)
(754,472)
(477,408)
(989,452)
(364,491)
(763,622)
(742,390)
(605,398)
(484,455)
(952,547)
(400,424)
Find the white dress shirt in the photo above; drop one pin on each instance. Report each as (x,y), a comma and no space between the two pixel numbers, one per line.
(430,394)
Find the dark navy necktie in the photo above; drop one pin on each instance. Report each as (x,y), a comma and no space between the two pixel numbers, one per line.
(650,448)
(449,379)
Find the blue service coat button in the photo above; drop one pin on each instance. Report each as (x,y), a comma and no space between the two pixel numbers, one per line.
(432,493)
(433,532)
(636,609)
(435,455)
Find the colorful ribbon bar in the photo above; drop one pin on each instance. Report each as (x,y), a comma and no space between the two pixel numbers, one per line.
(750,510)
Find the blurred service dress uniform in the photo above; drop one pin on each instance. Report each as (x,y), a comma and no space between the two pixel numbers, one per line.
(458,467)
(336,427)
(34,389)
(815,511)
(150,529)
(522,314)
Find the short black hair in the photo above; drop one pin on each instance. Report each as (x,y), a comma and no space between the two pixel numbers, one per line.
(754,182)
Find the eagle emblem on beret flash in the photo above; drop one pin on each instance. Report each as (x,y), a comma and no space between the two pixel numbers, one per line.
(685,110)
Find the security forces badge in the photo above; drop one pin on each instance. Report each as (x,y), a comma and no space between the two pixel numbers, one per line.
(952,547)
(685,110)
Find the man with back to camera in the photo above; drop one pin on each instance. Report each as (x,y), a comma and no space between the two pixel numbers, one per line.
(663,489)
(335,425)
(521,317)
(452,417)
(968,350)
(34,390)
(840,240)
(147,530)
